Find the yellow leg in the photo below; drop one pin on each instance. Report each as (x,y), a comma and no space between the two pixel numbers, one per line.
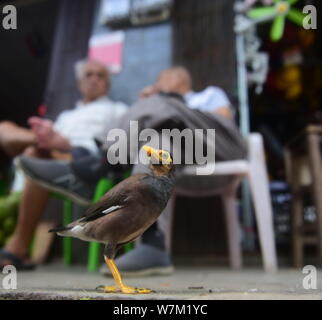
(120,286)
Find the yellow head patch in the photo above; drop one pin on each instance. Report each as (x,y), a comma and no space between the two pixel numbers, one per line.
(159,156)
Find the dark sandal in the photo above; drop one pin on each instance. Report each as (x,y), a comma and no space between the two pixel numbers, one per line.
(15,261)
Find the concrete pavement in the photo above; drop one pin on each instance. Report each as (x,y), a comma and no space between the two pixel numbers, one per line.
(59,282)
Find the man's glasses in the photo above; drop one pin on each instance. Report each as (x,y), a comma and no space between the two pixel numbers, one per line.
(90,74)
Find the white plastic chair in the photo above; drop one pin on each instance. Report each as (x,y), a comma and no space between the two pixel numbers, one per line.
(254,169)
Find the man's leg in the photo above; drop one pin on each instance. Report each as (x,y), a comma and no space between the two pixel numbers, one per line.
(33,202)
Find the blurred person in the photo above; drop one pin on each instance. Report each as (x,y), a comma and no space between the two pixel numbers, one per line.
(178,80)
(75,127)
(73,133)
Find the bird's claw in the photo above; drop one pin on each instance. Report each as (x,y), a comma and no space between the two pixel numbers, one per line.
(123,289)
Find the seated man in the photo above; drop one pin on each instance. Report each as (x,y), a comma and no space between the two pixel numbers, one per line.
(162,110)
(73,128)
(178,80)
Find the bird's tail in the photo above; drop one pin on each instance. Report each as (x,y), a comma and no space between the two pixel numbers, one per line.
(60,229)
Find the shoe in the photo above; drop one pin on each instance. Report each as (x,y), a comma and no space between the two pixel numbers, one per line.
(57,176)
(142,261)
(15,261)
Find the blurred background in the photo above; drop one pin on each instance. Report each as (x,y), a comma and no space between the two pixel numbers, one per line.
(138,39)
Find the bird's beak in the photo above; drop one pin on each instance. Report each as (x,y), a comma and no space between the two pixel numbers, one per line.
(154,153)
(151,152)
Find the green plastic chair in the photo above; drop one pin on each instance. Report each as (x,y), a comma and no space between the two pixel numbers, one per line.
(3,188)
(94,247)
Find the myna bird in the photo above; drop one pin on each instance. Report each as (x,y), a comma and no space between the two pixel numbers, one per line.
(125,212)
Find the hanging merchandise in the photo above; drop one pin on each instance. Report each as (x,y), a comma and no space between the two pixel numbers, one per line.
(252,2)
(306,38)
(289,81)
(292,56)
(280,10)
(246,20)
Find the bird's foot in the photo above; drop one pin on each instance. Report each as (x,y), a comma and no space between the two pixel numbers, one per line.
(129,290)
(123,289)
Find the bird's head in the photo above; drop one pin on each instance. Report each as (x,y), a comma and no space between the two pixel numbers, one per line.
(161,161)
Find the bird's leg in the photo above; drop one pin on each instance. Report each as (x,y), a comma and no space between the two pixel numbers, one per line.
(120,286)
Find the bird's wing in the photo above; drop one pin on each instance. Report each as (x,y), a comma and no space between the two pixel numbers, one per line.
(102,208)
(113,200)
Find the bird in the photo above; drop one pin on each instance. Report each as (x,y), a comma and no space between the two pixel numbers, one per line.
(125,212)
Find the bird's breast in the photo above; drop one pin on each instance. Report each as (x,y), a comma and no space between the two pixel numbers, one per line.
(160,189)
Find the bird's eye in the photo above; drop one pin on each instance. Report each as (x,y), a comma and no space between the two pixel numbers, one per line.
(164,156)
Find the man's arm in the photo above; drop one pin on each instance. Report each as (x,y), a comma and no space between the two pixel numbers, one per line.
(60,143)
(46,136)
(224,111)
(220,101)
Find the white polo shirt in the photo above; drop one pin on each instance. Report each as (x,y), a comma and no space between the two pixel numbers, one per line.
(88,121)
(210,99)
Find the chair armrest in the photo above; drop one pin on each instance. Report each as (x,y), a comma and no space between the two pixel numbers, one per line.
(235,167)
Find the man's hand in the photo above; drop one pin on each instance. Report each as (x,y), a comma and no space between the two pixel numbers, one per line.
(43,130)
(148,91)
(225,112)
(46,136)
